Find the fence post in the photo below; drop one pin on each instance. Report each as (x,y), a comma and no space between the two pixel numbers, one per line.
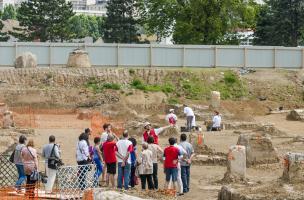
(302,58)
(117,55)
(50,55)
(274,57)
(16,49)
(245,57)
(151,55)
(184,52)
(215,56)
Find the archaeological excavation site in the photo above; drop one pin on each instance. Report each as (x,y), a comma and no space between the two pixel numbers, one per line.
(256,154)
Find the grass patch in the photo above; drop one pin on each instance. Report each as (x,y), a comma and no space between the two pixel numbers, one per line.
(197,86)
(140,85)
(97,86)
(173,101)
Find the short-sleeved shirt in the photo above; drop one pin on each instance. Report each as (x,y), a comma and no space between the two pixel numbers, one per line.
(188,111)
(47,149)
(109,152)
(171,154)
(217,120)
(17,155)
(123,147)
(154,149)
(189,151)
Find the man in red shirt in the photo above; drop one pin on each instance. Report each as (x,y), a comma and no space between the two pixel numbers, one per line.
(109,152)
(149,131)
(171,154)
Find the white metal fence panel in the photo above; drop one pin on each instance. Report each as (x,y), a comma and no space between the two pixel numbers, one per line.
(74,180)
(198,57)
(230,57)
(167,56)
(123,55)
(102,55)
(260,58)
(289,58)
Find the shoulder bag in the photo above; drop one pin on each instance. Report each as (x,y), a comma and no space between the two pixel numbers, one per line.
(53,161)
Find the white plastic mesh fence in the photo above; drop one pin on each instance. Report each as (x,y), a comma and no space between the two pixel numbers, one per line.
(74,180)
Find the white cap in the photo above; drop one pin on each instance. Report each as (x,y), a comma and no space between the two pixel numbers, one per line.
(146,124)
(171,110)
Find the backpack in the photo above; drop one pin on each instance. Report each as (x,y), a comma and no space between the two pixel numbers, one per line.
(172,120)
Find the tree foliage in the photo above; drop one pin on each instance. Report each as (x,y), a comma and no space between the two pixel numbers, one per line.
(83,26)
(280,23)
(3,36)
(9,12)
(120,25)
(197,21)
(44,20)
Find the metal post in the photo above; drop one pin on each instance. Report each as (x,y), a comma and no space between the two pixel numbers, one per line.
(50,55)
(16,50)
(274,57)
(184,53)
(302,58)
(245,57)
(151,55)
(117,55)
(215,56)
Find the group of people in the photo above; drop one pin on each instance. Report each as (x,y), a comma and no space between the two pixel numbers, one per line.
(113,155)
(25,158)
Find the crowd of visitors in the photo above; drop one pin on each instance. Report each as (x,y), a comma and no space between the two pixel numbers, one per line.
(113,155)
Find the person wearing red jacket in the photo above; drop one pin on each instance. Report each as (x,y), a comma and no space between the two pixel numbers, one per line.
(149,131)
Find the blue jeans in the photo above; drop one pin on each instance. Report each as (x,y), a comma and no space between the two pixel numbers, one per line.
(21,175)
(123,173)
(185,174)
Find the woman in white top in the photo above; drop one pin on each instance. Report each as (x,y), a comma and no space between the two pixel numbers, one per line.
(216,121)
(83,159)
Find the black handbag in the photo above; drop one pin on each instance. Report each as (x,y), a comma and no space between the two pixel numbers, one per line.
(12,157)
(53,161)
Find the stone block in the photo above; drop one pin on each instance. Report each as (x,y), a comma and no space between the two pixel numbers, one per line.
(26,60)
(101,194)
(79,58)
(293,167)
(296,115)
(259,148)
(8,120)
(215,99)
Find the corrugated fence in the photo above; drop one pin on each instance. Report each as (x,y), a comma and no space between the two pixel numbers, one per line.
(146,55)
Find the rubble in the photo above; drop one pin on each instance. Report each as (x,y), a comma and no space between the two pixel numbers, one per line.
(236,164)
(293,167)
(259,148)
(26,60)
(79,58)
(101,194)
(296,115)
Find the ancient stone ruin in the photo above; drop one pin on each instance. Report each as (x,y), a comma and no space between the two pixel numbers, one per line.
(79,58)
(293,167)
(215,99)
(236,164)
(26,60)
(8,120)
(259,148)
(296,115)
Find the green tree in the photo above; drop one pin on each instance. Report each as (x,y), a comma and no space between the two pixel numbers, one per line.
(209,21)
(120,25)
(157,17)
(280,23)
(44,20)
(3,36)
(83,26)
(9,12)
